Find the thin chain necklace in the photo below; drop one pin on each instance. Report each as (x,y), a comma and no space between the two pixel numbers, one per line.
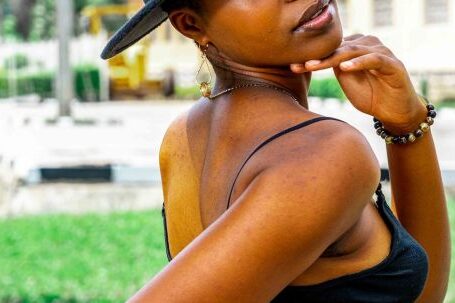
(211,97)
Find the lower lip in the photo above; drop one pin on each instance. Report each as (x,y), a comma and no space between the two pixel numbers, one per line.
(321,21)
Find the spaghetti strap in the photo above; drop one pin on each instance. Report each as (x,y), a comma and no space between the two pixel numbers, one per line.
(279,134)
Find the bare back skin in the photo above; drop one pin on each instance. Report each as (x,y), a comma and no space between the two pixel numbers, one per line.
(203,150)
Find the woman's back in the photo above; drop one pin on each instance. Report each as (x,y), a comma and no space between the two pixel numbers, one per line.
(203,151)
(204,147)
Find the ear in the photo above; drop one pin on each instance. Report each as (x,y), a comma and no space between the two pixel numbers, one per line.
(189,24)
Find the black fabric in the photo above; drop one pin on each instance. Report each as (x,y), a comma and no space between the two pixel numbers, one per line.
(399,278)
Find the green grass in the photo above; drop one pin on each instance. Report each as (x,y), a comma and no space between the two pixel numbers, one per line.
(90,258)
(450,297)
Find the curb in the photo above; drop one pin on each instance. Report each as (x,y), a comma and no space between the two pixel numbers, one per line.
(91,173)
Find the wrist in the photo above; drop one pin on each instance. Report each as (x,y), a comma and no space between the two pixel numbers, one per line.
(418,117)
(414,127)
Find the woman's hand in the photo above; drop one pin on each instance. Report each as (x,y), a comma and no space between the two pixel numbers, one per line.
(374,81)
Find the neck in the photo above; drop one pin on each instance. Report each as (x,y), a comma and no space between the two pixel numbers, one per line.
(230,73)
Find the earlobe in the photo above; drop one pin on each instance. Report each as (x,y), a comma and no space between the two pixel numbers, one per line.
(188,24)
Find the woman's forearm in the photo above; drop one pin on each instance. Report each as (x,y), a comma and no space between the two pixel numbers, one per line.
(419,201)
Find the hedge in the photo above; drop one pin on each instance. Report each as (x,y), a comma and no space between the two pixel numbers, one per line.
(87,80)
(326,88)
(87,85)
(17,61)
(323,88)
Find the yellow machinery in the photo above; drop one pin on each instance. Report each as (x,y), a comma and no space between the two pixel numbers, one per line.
(128,70)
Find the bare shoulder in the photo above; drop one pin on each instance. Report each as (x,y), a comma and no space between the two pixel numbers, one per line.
(172,136)
(329,146)
(176,131)
(339,157)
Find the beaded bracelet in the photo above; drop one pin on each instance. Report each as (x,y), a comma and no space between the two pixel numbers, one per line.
(410,137)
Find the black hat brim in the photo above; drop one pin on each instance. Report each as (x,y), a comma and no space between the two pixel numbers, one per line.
(150,16)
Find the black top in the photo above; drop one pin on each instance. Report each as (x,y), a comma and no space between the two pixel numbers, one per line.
(399,278)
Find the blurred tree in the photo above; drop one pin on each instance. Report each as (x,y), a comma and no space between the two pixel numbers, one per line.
(35,19)
(9,28)
(22,12)
(43,20)
(8,22)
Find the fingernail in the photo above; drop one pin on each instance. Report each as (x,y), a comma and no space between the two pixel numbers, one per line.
(297,68)
(346,64)
(313,62)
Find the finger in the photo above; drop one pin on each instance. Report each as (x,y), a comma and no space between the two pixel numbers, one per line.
(298,68)
(341,54)
(352,37)
(347,50)
(377,63)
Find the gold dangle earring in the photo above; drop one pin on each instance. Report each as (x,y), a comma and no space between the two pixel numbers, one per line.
(204,86)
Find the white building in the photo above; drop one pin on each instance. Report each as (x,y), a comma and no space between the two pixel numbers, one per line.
(421,33)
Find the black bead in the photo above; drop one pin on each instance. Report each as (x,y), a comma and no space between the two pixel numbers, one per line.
(431,114)
(418,133)
(396,140)
(403,140)
(375,120)
(379,131)
(383,135)
(430,106)
(377,124)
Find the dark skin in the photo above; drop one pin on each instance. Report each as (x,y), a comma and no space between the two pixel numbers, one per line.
(227,262)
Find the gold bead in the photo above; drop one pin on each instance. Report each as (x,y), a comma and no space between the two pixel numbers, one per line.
(424,127)
(430,120)
(205,89)
(388,140)
(411,138)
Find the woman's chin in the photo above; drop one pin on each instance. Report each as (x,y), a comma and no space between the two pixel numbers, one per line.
(324,47)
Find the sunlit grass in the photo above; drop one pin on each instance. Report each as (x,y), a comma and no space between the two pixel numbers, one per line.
(90,258)
(450,298)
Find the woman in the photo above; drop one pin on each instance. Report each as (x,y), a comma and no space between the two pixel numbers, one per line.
(296,221)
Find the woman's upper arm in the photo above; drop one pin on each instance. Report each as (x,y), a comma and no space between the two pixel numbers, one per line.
(287,216)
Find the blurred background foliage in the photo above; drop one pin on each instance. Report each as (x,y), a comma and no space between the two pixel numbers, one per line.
(34,20)
(323,88)
(87,80)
